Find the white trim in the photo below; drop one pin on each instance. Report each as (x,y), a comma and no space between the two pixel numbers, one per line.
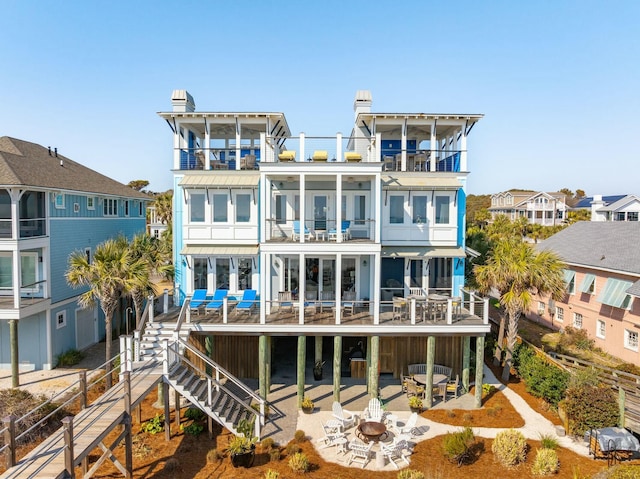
(61,315)
(91,206)
(628,333)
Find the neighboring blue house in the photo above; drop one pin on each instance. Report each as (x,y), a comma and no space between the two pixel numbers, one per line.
(51,206)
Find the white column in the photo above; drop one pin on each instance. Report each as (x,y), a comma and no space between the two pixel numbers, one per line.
(374,294)
(302,286)
(403,146)
(303,202)
(265,290)
(463,149)
(377,151)
(264,156)
(264,208)
(374,192)
(206,149)
(176,147)
(238,137)
(339,208)
(338,286)
(433,145)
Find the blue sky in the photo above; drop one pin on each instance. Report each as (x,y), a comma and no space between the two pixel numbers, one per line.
(557,81)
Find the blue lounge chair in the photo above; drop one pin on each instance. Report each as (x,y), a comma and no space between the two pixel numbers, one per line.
(346,233)
(216,304)
(296,231)
(198,299)
(247,302)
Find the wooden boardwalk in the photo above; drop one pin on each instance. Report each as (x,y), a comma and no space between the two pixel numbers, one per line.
(90,428)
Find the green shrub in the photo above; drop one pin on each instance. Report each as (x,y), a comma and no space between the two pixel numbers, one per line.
(410,474)
(193,429)
(456,446)
(153,426)
(292,448)
(194,414)
(545,463)
(509,447)
(299,463)
(18,402)
(271,474)
(548,442)
(267,443)
(629,368)
(626,471)
(487,389)
(246,427)
(274,454)
(69,358)
(299,436)
(585,377)
(577,338)
(542,379)
(590,407)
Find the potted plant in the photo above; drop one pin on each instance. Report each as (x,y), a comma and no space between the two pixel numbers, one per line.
(243,447)
(307,405)
(415,404)
(317,370)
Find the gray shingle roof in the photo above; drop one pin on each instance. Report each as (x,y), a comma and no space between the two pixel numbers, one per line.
(613,245)
(23,163)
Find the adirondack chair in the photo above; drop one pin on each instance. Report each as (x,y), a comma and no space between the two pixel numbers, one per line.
(373,411)
(333,435)
(346,234)
(346,418)
(408,426)
(198,299)
(247,302)
(394,451)
(215,305)
(360,452)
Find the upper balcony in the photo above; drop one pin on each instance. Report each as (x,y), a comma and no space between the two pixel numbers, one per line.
(31,215)
(341,152)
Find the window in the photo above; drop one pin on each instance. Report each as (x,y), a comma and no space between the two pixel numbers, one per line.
(631,339)
(245,270)
(61,319)
(281,209)
(442,210)
(396,209)
(541,306)
(197,207)
(419,209)
(601,328)
(222,273)
(559,314)
(220,214)
(6,271)
(571,285)
(110,207)
(344,207)
(126,207)
(28,270)
(91,202)
(577,320)
(296,207)
(59,201)
(200,273)
(632,216)
(359,214)
(619,216)
(243,208)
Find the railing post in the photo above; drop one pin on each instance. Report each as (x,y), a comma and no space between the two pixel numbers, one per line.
(127,392)
(136,346)
(176,295)
(449,311)
(128,341)
(165,301)
(621,404)
(151,308)
(225,305)
(123,356)
(67,425)
(485,311)
(412,310)
(209,393)
(128,446)
(83,389)
(9,423)
(165,357)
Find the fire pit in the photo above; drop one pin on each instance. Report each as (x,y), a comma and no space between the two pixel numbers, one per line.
(371,431)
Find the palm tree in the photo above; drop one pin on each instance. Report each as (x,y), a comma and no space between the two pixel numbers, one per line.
(518,272)
(164,207)
(146,250)
(110,274)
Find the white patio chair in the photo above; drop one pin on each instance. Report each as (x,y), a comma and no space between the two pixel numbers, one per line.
(346,418)
(408,427)
(333,434)
(395,451)
(359,452)
(373,411)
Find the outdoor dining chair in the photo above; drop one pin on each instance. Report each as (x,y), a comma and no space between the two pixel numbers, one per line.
(452,387)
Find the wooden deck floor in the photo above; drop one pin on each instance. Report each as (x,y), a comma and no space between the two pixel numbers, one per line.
(90,427)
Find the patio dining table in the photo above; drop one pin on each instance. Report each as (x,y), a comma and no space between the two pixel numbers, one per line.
(437,378)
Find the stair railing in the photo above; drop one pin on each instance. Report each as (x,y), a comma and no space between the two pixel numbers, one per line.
(173,356)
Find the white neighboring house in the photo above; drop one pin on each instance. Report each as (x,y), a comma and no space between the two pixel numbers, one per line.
(547,209)
(611,208)
(155,227)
